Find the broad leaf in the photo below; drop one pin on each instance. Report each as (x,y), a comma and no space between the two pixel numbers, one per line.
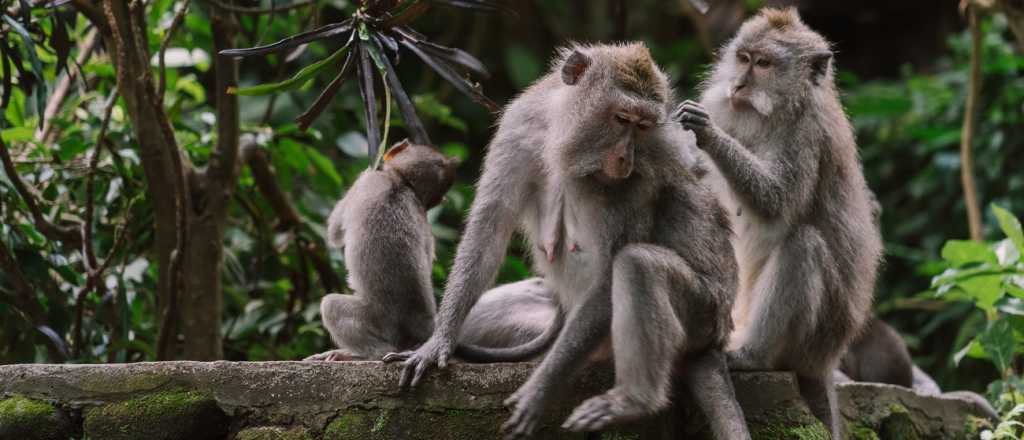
(1010,226)
(999,343)
(961,252)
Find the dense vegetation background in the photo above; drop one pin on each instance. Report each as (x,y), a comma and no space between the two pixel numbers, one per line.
(121,174)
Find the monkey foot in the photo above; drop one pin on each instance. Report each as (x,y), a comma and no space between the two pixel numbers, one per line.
(333,356)
(602,411)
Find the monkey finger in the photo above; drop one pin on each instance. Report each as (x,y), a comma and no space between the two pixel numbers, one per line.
(407,374)
(395,357)
(690,118)
(696,109)
(421,369)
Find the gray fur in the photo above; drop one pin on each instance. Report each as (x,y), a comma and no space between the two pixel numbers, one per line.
(389,251)
(808,249)
(631,245)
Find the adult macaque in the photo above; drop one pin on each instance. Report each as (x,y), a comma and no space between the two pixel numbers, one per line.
(633,247)
(771,121)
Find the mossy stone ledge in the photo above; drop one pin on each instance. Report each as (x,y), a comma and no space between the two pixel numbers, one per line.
(361,400)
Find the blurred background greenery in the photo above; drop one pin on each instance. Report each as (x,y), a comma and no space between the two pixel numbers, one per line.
(903,69)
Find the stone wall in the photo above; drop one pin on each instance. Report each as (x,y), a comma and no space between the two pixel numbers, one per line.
(360,400)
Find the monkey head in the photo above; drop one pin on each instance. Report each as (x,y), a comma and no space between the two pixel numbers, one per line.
(428,172)
(774,61)
(610,99)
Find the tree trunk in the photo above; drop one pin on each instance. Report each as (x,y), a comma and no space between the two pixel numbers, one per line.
(201,301)
(162,160)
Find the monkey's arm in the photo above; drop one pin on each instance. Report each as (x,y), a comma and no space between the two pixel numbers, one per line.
(501,196)
(780,185)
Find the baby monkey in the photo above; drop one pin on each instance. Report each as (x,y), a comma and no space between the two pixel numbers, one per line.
(389,250)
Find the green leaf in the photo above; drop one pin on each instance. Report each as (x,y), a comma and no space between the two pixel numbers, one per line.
(37,66)
(324,165)
(1010,226)
(961,252)
(973,349)
(985,289)
(18,134)
(307,73)
(999,343)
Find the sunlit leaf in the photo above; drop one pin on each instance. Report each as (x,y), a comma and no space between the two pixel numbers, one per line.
(961,252)
(1010,226)
(999,343)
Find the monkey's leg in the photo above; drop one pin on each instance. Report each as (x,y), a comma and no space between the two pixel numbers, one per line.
(650,284)
(355,329)
(510,315)
(784,312)
(785,316)
(585,327)
(707,379)
(820,395)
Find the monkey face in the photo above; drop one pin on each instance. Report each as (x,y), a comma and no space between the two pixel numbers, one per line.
(618,97)
(773,62)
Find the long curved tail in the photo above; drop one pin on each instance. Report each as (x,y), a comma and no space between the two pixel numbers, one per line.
(473,353)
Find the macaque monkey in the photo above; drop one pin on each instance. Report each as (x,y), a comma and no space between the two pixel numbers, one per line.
(632,246)
(771,122)
(389,251)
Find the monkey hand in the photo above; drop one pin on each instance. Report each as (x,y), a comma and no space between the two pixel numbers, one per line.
(435,351)
(694,117)
(527,412)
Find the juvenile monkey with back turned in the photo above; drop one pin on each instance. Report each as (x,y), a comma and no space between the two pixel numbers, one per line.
(389,251)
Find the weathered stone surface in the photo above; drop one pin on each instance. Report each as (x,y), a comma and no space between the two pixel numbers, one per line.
(360,400)
(273,433)
(28,419)
(164,415)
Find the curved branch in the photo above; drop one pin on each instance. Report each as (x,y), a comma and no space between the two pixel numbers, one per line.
(66,234)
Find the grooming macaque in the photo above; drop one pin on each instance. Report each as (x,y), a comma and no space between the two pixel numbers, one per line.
(771,122)
(633,248)
(389,250)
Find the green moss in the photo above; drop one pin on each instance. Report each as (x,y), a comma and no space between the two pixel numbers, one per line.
(29,419)
(273,433)
(415,424)
(814,431)
(350,425)
(164,415)
(619,436)
(898,425)
(861,432)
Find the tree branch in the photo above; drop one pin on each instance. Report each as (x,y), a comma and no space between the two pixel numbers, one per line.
(967,135)
(287,216)
(60,93)
(66,234)
(178,18)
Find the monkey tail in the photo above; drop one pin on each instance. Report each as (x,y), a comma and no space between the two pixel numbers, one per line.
(473,353)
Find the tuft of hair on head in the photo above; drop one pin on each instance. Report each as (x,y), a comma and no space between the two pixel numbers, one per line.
(781,18)
(638,73)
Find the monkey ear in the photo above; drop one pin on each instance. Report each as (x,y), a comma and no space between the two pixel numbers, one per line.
(395,149)
(574,68)
(819,62)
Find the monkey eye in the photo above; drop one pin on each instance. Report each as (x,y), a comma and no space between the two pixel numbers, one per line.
(743,58)
(623,118)
(764,62)
(645,125)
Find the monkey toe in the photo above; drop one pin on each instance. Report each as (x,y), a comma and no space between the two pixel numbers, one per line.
(522,424)
(599,412)
(397,357)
